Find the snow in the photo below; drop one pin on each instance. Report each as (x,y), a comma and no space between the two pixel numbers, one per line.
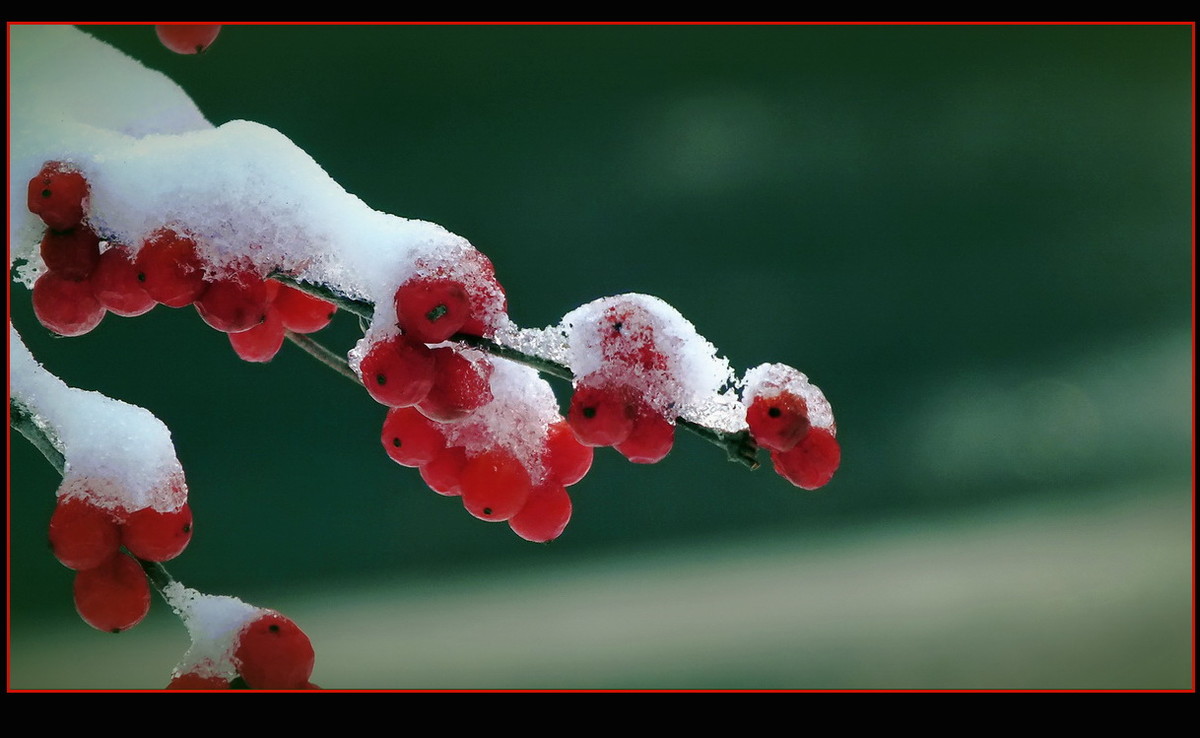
(118,454)
(213,622)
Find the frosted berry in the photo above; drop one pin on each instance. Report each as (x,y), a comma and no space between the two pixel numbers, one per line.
(398,372)
(410,438)
(300,311)
(811,463)
(113,596)
(460,386)
(260,343)
(157,536)
(495,485)
(235,302)
(58,195)
(71,254)
(545,514)
(65,306)
(650,440)
(444,473)
(601,415)
(82,535)
(170,269)
(187,38)
(116,286)
(431,310)
(273,653)
(778,422)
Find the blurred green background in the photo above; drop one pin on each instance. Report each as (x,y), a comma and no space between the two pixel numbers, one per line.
(976,240)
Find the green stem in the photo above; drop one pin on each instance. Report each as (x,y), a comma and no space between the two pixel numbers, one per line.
(22,419)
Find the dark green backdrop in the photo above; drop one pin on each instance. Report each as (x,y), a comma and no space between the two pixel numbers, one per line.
(976,240)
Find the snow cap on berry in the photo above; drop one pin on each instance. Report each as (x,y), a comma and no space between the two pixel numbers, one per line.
(118,455)
(770,380)
(213,622)
(643,343)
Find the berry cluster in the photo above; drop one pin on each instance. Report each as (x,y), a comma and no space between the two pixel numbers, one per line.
(83,282)
(111,590)
(790,417)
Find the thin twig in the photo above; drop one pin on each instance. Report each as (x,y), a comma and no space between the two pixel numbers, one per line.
(22,419)
(323,355)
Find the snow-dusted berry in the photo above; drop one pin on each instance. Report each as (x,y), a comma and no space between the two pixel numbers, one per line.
(66,306)
(170,269)
(431,310)
(58,194)
(273,653)
(71,254)
(461,385)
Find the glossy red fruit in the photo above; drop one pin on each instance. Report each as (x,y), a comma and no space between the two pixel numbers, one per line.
(410,438)
(398,372)
(301,312)
(234,302)
(495,485)
(566,459)
(82,535)
(811,463)
(185,38)
(113,596)
(260,343)
(65,306)
(192,680)
(460,387)
(778,422)
(71,254)
(601,415)
(444,473)
(157,536)
(116,285)
(431,310)
(545,514)
(170,269)
(651,439)
(273,653)
(58,195)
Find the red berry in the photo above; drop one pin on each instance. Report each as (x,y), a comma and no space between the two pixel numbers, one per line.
(545,514)
(444,473)
(273,653)
(811,463)
(192,680)
(398,372)
(567,460)
(58,195)
(71,254)
(82,535)
(113,596)
(601,415)
(778,422)
(194,38)
(234,302)
(494,485)
(410,438)
(650,440)
(263,341)
(170,269)
(116,286)
(157,536)
(301,312)
(431,310)
(65,306)
(460,386)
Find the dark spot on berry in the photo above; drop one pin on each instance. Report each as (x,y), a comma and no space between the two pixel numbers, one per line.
(487,511)
(141,276)
(187,528)
(396,442)
(436,313)
(617,326)
(380,379)
(274,628)
(774,412)
(116,630)
(589,412)
(47,193)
